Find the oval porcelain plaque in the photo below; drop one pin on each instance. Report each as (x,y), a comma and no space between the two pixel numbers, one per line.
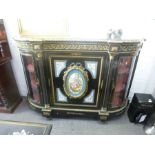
(75,81)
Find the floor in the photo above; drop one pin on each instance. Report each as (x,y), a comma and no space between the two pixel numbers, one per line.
(76,126)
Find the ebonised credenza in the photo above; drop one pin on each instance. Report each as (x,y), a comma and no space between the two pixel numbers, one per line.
(79,77)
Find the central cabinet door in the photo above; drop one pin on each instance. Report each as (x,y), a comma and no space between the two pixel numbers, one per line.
(77,79)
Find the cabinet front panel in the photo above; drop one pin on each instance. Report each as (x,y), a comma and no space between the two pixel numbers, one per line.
(31,77)
(123,65)
(76,80)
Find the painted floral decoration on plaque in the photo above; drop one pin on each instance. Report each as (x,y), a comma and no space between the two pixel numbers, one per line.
(75,81)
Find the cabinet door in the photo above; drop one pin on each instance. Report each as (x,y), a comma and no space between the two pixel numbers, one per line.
(120,78)
(32,80)
(77,81)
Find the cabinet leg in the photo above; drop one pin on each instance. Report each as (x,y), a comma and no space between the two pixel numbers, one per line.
(46,113)
(103,114)
(103,118)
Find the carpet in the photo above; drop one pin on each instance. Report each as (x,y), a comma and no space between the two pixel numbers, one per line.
(24,128)
(76,126)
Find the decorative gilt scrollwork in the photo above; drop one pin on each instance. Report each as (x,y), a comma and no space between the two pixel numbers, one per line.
(39,55)
(75,46)
(37,47)
(114,49)
(123,48)
(24,45)
(128,48)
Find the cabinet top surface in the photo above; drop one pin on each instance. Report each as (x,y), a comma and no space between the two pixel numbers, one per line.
(26,39)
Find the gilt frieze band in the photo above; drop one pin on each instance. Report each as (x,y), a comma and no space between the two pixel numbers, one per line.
(78,45)
(74,46)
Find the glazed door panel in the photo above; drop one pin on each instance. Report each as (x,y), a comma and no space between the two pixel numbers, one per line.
(122,66)
(77,81)
(31,77)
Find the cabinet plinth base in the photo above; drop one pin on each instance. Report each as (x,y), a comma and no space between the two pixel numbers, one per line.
(102,114)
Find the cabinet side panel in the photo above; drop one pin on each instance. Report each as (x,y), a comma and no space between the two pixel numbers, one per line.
(31,77)
(121,79)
